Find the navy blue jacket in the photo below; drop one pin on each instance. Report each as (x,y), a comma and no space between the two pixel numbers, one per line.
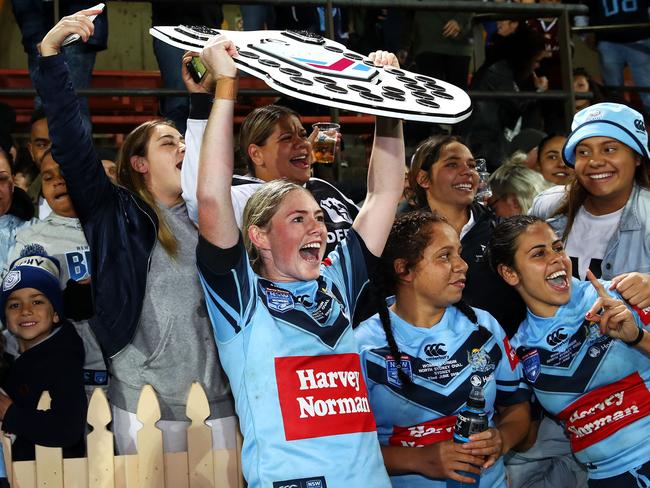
(120,228)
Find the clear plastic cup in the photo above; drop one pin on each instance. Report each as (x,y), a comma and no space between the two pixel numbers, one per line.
(324,147)
(484,192)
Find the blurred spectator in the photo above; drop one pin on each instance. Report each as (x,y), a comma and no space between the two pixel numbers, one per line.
(441,44)
(495,122)
(549,66)
(7,122)
(35,17)
(514,186)
(108,157)
(25,172)
(39,142)
(257,17)
(169,57)
(584,83)
(622,47)
(16,210)
(550,162)
(526,142)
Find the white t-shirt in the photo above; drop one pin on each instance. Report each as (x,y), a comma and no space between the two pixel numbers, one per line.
(588,240)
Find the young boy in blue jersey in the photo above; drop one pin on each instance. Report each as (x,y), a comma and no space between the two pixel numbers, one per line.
(584,352)
(422,355)
(282,320)
(50,358)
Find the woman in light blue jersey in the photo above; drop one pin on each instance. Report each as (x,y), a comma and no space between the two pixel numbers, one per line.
(281,319)
(584,352)
(444,348)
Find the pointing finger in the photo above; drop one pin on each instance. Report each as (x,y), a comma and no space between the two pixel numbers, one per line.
(600,289)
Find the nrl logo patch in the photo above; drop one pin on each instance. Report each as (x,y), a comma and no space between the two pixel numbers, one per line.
(11,280)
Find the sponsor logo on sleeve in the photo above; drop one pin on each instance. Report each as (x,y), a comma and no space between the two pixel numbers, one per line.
(510,352)
(314,482)
(532,365)
(423,434)
(604,411)
(322,396)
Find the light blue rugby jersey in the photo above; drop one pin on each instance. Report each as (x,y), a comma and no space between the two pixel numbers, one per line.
(596,385)
(445,360)
(289,352)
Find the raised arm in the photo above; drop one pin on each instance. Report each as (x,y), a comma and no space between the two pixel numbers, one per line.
(217,221)
(385,176)
(200,106)
(72,145)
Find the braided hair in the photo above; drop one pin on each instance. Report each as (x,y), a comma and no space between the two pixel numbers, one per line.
(409,237)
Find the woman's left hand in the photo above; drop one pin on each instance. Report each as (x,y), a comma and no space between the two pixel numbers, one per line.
(488,443)
(634,287)
(78,23)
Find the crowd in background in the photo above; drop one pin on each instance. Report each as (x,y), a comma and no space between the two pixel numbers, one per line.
(99,250)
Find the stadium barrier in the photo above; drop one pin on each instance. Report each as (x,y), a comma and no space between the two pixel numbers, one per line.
(199,467)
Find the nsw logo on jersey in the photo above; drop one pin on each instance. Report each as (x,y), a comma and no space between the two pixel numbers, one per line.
(392,372)
(322,396)
(278,299)
(423,434)
(531,363)
(604,411)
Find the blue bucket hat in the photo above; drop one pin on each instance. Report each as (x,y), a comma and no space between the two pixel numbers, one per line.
(37,271)
(607,119)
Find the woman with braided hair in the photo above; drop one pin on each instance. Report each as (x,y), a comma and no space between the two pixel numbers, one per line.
(422,354)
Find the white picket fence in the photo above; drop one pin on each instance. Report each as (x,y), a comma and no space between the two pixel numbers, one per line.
(199,467)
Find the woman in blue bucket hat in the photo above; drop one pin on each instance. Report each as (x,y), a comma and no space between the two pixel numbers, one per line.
(605,216)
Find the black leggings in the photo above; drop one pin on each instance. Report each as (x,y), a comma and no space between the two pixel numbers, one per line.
(638,477)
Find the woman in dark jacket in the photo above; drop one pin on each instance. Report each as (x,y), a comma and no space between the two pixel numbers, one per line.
(444,179)
(150,318)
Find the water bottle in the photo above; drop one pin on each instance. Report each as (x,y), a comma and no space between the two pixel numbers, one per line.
(472,419)
(484,192)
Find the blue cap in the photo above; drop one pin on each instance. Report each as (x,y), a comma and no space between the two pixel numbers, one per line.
(37,271)
(607,119)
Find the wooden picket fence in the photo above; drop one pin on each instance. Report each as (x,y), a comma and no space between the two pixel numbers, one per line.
(199,467)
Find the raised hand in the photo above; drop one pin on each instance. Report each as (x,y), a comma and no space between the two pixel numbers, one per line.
(207,83)
(384,58)
(634,287)
(612,315)
(78,23)
(217,57)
